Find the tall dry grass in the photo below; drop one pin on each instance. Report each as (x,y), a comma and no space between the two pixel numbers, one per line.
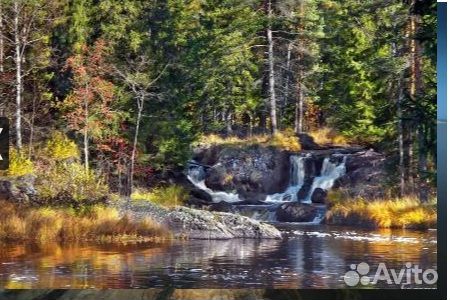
(328,136)
(406,212)
(285,140)
(169,196)
(58,224)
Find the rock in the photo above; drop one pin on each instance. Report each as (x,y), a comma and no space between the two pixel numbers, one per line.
(200,194)
(304,190)
(221,206)
(365,175)
(307,142)
(26,185)
(252,197)
(19,190)
(249,202)
(199,224)
(364,159)
(252,171)
(319,196)
(7,190)
(196,202)
(296,212)
(217,178)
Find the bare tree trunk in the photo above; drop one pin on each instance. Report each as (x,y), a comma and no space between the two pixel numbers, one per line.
(422,164)
(140,105)
(229,122)
(19,84)
(416,78)
(2,41)
(410,155)
(250,125)
(401,148)
(300,105)
(273,98)
(33,116)
(86,137)
(287,79)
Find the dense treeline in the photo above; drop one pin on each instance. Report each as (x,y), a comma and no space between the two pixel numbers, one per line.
(136,82)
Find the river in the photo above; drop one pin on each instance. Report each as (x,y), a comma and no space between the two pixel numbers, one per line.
(314,256)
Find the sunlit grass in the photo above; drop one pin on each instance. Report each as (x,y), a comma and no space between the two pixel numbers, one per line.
(58,224)
(326,135)
(406,212)
(170,196)
(285,140)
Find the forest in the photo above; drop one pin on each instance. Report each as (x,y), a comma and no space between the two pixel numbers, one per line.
(109,96)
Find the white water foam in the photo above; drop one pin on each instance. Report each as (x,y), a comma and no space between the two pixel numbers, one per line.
(196,175)
(329,173)
(369,237)
(297,178)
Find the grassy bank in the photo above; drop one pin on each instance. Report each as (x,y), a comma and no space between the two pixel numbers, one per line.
(407,212)
(284,140)
(61,224)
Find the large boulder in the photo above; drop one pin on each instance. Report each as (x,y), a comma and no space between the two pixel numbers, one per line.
(199,224)
(296,212)
(319,196)
(307,142)
(200,194)
(251,197)
(221,206)
(252,172)
(19,190)
(303,192)
(365,175)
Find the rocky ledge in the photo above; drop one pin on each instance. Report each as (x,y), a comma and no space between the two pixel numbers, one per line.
(192,223)
(198,224)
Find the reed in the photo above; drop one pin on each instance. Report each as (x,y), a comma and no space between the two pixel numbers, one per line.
(406,212)
(285,140)
(328,136)
(60,224)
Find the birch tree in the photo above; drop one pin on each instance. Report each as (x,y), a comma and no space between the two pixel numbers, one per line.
(271,62)
(24,28)
(140,83)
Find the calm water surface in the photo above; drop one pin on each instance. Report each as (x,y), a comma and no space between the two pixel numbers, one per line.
(308,257)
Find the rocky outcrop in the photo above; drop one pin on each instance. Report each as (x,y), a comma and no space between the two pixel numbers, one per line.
(365,175)
(296,212)
(304,190)
(198,197)
(252,172)
(19,190)
(221,206)
(307,142)
(198,224)
(319,196)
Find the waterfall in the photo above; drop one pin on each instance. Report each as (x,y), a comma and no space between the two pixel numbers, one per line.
(196,175)
(296,180)
(297,175)
(328,175)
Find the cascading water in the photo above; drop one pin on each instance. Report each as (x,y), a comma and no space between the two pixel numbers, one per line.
(196,175)
(297,177)
(329,173)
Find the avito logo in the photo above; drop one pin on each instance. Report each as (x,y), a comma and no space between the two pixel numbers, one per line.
(359,274)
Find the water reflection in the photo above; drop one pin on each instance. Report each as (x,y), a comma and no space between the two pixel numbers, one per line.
(309,257)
